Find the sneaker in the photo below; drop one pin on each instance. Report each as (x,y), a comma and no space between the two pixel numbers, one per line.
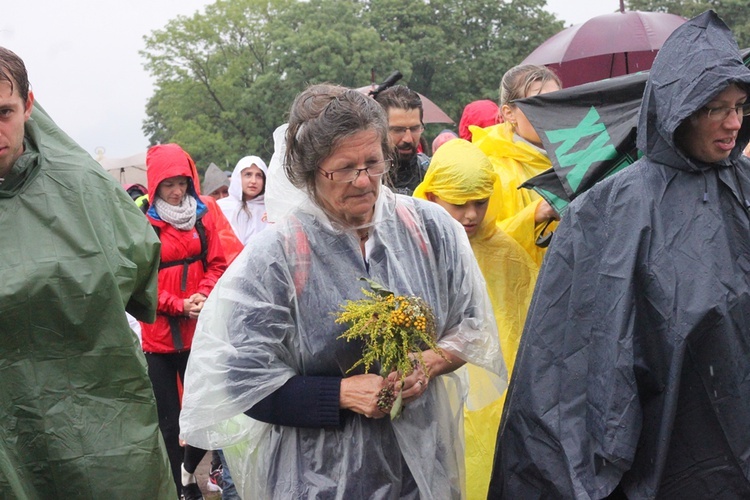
(191,492)
(215,479)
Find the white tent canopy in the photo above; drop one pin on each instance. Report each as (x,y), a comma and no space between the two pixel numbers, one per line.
(128,170)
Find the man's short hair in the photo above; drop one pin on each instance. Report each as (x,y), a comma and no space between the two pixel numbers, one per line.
(13,71)
(401,97)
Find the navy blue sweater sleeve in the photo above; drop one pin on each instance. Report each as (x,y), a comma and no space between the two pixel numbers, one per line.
(304,401)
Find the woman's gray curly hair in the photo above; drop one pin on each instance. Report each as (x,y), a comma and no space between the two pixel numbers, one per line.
(322,117)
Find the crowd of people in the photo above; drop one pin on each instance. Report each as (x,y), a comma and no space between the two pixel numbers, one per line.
(622,340)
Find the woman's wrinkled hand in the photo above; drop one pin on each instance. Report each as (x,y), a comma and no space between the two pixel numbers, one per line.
(359,393)
(415,384)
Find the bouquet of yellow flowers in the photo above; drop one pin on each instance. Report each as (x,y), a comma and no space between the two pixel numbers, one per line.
(395,329)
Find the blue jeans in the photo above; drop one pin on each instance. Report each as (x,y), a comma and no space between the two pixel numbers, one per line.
(228,492)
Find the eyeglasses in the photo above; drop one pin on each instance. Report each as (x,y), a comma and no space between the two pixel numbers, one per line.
(721,114)
(398,131)
(375,169)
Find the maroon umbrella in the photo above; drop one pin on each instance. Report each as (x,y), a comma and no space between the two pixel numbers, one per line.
(606,46)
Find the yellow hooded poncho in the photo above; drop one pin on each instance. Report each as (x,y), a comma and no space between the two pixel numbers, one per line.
(515,162)
(459,172)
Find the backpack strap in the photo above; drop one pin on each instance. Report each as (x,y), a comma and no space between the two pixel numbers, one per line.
(204,242)
(185,263)
(298,252)
(174,329)
(174,321)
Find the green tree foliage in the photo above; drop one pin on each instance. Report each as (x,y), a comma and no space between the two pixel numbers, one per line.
(225,78)
(736,13)
(460,49)
(208,70)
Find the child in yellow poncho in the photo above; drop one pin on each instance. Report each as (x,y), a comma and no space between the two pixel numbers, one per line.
(463,181)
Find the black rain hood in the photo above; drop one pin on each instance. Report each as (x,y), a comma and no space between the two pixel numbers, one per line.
(671,96)
(633,372)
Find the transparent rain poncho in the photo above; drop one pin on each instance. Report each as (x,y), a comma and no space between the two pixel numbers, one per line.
(271,317)
(246,217)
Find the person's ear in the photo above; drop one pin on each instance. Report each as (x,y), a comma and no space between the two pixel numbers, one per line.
(509,113)
(29,105)
(430,197)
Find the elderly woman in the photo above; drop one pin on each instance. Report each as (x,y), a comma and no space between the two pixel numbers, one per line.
(268,380)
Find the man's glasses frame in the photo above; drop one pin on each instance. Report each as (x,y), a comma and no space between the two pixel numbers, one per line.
(399,131)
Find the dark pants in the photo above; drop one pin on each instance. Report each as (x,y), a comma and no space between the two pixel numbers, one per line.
(163,370)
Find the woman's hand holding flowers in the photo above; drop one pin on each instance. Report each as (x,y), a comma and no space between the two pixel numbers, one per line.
(360,393)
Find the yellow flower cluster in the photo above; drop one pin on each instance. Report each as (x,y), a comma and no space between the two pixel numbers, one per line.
(420,323)
(403,317)
(391,326)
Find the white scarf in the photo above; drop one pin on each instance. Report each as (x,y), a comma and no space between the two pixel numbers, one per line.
(181,216)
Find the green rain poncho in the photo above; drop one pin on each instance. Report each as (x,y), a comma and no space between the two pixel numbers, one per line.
(76,406)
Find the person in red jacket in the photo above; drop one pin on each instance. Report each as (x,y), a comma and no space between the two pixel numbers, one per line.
(192,260)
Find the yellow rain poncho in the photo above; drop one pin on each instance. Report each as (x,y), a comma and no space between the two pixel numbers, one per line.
(515,161)
(460,172)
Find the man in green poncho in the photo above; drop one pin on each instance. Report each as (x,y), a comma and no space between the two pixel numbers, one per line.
(77,413)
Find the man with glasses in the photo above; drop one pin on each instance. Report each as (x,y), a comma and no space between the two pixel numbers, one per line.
(405,127)
(632,374)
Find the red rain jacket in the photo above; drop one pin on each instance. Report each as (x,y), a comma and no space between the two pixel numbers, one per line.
(172,332)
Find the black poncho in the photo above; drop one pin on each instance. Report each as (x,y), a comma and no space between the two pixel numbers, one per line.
(634,368)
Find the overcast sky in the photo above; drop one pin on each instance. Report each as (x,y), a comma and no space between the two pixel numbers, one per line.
(85,70)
